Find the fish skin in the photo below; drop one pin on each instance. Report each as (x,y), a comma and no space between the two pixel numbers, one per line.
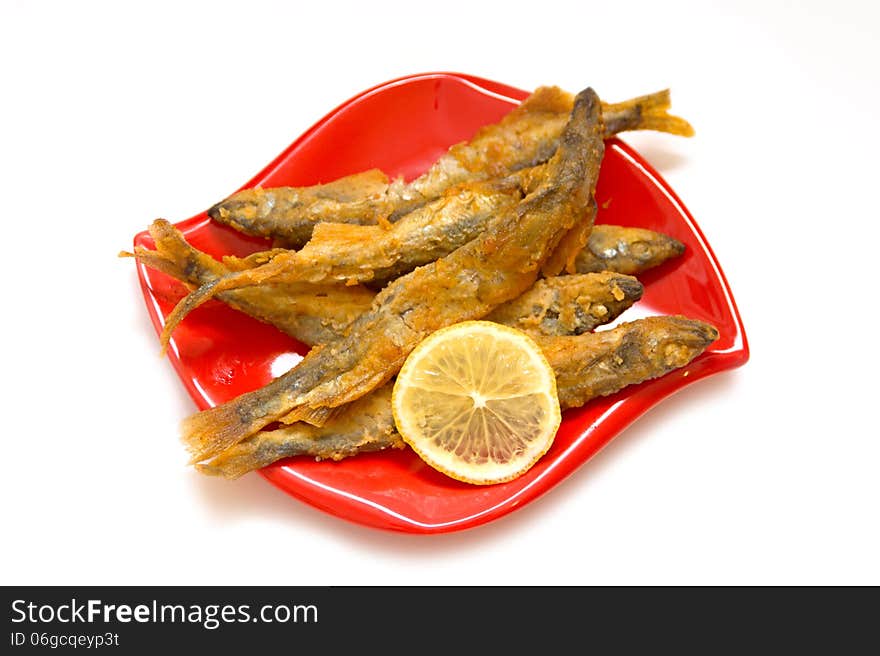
(587,366)
(626,250)
(527,136)
(497,266)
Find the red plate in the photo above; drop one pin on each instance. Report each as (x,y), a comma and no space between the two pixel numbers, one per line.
(402,126)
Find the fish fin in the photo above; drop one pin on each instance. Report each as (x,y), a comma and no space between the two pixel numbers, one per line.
(313,416)
(649,112)
(174,256)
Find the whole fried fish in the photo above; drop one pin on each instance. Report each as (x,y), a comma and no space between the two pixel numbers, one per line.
(528,135)
(587,366)
(495,267)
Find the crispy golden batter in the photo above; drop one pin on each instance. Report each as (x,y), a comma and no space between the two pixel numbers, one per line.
(497,266)
(527,136)
(586,366)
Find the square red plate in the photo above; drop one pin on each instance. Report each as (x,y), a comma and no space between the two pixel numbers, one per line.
(402,126)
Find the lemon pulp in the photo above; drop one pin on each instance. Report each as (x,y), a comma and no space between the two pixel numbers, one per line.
(477,401)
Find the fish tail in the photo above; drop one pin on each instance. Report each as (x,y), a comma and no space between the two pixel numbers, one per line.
(186,305)
(207,433)
(234,462)
(649,112)
(257,451)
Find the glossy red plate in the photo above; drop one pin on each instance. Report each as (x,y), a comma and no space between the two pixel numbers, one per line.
(402,126)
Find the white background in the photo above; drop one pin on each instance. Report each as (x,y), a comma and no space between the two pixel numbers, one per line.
(112,116)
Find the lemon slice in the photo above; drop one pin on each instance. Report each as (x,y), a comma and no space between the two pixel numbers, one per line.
(477,401)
